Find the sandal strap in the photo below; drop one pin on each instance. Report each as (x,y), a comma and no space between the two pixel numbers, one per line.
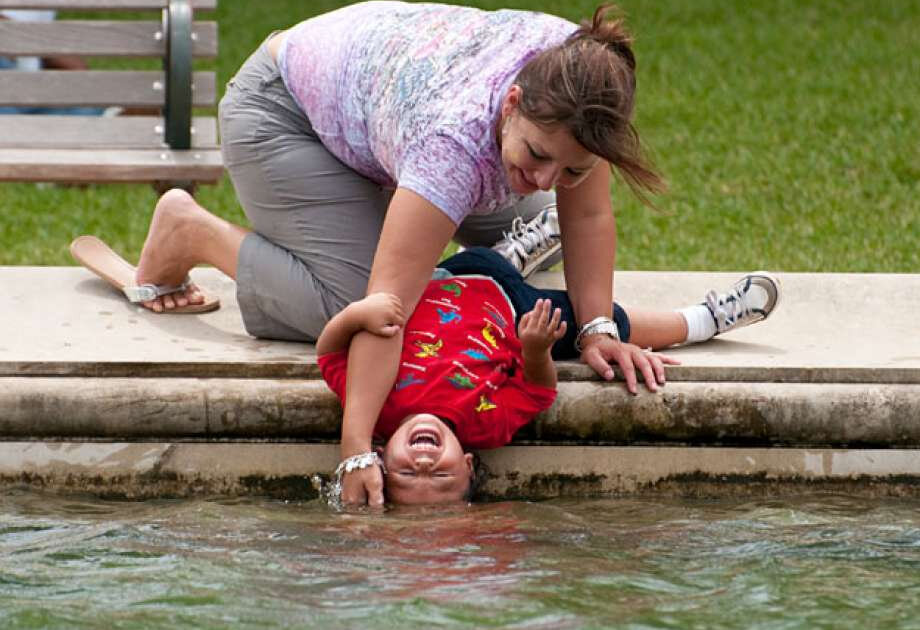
(147,292)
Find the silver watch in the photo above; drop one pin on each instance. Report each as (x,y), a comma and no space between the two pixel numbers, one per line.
(597,326)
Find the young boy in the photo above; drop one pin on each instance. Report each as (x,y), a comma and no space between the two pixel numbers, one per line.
(469,378)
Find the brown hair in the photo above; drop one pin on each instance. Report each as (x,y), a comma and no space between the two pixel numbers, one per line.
(588,85)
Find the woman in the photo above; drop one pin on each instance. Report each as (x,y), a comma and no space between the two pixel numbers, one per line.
(361,141)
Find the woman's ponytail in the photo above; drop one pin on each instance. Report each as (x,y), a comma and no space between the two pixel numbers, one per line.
(611,33)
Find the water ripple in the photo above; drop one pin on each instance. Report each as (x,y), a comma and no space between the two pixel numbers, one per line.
(804,562)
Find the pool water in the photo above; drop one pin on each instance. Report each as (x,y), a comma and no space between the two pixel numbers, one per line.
(819,561)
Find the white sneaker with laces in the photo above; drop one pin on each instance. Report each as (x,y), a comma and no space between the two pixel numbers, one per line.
(533,246)
(749,301)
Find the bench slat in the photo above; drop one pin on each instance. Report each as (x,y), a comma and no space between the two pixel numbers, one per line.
(105,38)
(96,132)
(128,88)
(76,165)
(108,5)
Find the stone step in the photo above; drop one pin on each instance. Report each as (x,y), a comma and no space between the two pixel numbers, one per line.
(171,469)
(585,412)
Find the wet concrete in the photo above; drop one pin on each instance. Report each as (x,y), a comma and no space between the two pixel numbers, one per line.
(151,470)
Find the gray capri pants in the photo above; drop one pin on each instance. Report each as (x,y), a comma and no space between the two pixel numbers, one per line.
(315,221)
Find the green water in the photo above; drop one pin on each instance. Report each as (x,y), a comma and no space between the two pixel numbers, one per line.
(807,562)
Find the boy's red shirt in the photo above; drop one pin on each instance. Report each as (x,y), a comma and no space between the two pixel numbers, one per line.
(461,361)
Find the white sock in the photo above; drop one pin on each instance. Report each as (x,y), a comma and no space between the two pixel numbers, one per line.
(700,324)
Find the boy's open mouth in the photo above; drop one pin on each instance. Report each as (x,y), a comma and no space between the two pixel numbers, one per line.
(424,438)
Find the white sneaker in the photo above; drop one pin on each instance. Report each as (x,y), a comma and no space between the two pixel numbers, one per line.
(749,301)
(533,246)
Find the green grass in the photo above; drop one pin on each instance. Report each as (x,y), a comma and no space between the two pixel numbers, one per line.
(789,132)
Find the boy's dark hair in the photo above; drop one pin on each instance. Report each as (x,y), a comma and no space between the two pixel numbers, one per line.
(477,478)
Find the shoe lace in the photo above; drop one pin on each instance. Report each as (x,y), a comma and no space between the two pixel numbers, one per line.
(728,308)
(528,238)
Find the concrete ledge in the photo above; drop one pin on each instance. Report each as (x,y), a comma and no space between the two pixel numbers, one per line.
(585,412)
(131,470)
(567,371)
(734,414)
(125,408)
(157,405)
(813,337)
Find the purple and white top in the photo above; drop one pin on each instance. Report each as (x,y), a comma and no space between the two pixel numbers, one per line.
(409,95)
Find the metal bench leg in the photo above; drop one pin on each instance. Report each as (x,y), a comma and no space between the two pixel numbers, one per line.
(177,27)
(177,112)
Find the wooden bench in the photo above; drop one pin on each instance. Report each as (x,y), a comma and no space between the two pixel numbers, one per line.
(175,148)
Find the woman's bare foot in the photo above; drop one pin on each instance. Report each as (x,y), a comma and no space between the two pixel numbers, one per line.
(169,251)
(183,234)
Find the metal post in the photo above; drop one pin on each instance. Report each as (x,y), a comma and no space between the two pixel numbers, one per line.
(177,27)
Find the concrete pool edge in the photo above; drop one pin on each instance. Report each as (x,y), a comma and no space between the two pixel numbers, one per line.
(822,378)
(182,470)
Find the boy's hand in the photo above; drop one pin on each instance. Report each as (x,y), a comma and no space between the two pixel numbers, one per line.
(538,330)
(380,314)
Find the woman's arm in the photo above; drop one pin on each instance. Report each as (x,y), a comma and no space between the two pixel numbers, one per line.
(415,233)
(589,235)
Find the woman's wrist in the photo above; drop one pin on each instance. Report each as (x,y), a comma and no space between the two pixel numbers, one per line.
(598,326)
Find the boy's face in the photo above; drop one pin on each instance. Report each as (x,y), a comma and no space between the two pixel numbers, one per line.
(425,463)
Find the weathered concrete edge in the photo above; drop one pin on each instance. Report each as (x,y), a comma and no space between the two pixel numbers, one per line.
(157,470)
(567,370)
(737,414)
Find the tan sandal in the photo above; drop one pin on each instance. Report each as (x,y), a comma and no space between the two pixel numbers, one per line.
(99,258)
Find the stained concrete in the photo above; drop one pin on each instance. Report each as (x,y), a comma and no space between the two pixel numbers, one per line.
(695,413)
(100,395)
(148,470)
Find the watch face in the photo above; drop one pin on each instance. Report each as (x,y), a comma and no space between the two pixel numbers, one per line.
(604,327)
(607,328)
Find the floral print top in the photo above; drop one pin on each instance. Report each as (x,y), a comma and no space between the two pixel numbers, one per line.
(409,94)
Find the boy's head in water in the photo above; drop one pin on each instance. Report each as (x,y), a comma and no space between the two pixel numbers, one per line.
(425,463)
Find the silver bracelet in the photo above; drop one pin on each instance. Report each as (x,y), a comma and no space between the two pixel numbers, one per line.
(594,322)
(598,325)
(357,462)
(331,491)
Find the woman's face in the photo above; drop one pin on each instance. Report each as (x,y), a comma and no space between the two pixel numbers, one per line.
(425,463)
(536,157)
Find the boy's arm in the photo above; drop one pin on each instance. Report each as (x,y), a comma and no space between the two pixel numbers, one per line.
(337,334)
(538,331)
(540,370)
(378,313)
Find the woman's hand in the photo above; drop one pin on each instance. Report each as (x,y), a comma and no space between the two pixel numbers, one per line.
(363,487)
(599,350)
